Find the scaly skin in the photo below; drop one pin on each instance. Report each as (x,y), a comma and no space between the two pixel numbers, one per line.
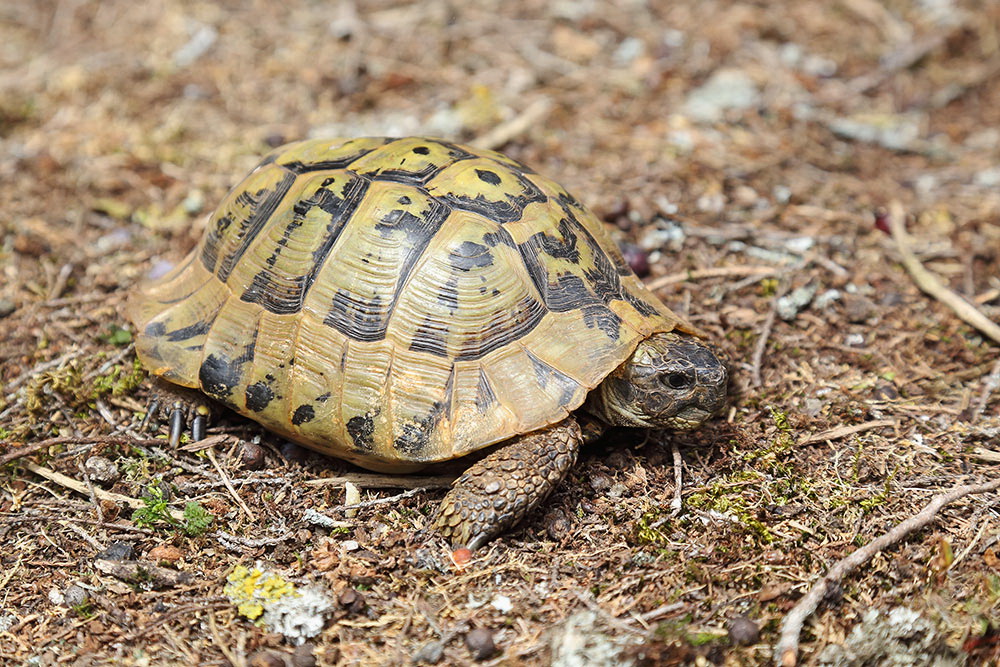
(498,491)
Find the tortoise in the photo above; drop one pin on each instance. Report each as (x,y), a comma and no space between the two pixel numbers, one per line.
(397,302)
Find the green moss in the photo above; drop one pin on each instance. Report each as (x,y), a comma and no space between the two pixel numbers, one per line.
(118,380)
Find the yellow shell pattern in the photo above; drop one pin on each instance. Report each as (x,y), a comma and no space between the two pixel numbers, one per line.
(396,301)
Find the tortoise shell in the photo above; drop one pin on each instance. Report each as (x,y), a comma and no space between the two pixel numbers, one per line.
(397,301)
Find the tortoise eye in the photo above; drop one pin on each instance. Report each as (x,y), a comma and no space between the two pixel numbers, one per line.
(678,380)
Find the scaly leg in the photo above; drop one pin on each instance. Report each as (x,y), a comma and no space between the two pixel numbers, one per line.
(177,404)
(500,490)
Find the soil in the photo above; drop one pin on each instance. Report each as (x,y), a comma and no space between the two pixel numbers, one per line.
(746,152)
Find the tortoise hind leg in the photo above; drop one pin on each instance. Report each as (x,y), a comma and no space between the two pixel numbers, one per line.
(177,405)
(501,489)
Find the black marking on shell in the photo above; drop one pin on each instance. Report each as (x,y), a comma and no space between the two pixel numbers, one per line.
(362,429)
(603,318)
(258,396)
(361,319)
(368,319)
(191,330)
(485,398)
(487,176)
(416,435)
(262,204)
(499,237)
(508,209)
(470,255)
(303,413)
(210,248)
(275,293)
(546,374)
(421,150)
(323,398)
(560,248)
(218,374)
(343,162)
(431,337)
(155,329)
(518,322)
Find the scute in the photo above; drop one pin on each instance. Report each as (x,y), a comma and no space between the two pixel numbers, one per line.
(395,302)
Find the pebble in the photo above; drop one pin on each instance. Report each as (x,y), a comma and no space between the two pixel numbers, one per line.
(303,656)
(6,307)
(725,89)
(294,453)
(352,601)
(480,643)
(165,553)
(885,392)
(557,526)
(600,482)
(789,305)
(267,658)
(75,596)
(430,653)
(743,631)
(117,551)
(102,470)
(858,308)
(637,258)
(251,456)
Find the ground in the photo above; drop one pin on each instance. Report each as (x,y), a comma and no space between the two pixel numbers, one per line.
(749,153)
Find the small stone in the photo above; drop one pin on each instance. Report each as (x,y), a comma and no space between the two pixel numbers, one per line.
(637,258)
(117,551)
(430,653)
(267,658)
(350,545)
(858,308)
(303,656)
(600,482)
(743,631)
(275,139)
(885,392)
(293,453)
(251,456)
(102,470)
(557,525)
(480,643)
(461,556)
(352,601)
(165,553)
(75,596)
(6,307)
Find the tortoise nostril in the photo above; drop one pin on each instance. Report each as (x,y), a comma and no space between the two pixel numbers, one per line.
(678,380)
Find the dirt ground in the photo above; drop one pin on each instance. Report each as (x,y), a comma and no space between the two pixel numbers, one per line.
(748,153)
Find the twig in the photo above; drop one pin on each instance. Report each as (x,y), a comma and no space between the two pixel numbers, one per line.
(378,501)
(990,384)
(27,450)
(229,485)
(716,272)
(844,431)
(787,648)
(675,504)
(504,132)
(373,481)
(607,616)
(91,490)
(929,283)
(233,658)
(87,537)
(761,345)
(81,488)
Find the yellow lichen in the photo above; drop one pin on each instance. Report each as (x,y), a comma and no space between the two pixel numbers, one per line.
(251,589)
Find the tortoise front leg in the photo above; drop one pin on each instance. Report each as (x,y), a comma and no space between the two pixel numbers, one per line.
(500,490)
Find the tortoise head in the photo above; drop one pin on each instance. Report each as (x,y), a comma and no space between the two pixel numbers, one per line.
(672,380)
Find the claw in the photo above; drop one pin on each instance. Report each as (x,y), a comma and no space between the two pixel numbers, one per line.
(151,409)
(198,423)
(176,424)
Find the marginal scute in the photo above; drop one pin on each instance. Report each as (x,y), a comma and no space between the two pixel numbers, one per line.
(395,302)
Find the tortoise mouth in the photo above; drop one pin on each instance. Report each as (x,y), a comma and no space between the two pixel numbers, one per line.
(689,418)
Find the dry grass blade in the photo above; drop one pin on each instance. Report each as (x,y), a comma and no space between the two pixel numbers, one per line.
(75,485)
(929,283)
(844,431)
(374,481)
(505,132)
(717,272)
(786,650)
